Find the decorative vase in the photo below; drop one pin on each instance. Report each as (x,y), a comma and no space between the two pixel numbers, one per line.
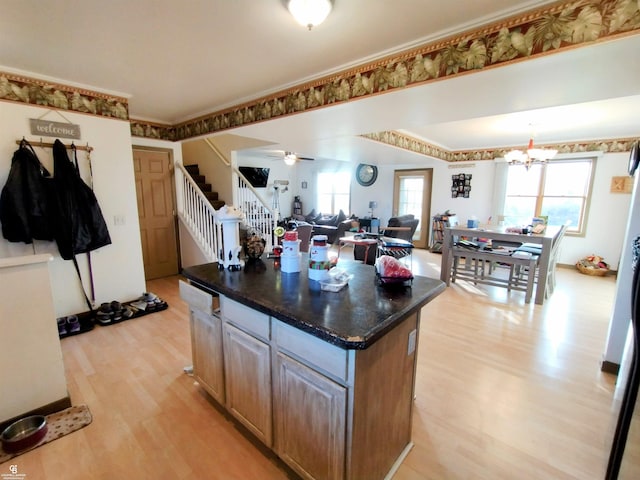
(254,247)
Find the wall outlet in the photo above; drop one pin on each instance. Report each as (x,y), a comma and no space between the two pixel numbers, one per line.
(118,220)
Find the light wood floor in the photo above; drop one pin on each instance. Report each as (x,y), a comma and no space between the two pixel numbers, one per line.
(504,390)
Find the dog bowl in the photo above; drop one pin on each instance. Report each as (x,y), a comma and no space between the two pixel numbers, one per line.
(24,433)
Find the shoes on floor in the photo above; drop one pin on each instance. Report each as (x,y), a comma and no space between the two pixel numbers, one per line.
(73,323)
(104,315)
(68,325)
(62,326)
(116,308)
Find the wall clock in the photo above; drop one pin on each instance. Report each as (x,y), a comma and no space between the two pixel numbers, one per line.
(366,175)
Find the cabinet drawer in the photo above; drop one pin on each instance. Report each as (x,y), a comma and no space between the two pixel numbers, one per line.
(199,299)
(246,318)
(311,350)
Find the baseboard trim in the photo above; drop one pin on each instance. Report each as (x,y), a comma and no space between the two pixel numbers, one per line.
(45,410)
(573,267)
(398,462)
(610,367)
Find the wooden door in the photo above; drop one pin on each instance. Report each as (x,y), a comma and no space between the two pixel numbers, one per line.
(310,416)
(412,194)
(156,212)
(247,363)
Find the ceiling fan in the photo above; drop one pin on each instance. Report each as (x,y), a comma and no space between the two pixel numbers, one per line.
(290,158)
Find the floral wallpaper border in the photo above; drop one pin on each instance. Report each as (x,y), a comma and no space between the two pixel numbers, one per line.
(17,88)
(399,140)
(560,26)
(547,30)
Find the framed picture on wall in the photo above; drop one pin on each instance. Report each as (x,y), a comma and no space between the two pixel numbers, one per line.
(461,185)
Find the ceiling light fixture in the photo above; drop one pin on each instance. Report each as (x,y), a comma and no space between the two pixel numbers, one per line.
(530,156)
(290,158)
(309,13)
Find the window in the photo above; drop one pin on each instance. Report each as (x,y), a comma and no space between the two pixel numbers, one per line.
(334,192)
(558,189)
(411,198)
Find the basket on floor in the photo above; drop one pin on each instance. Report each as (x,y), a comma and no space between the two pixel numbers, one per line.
(592,265)
(596,272)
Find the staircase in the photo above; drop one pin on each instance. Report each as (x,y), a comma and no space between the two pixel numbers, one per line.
(197,206)
(205,187)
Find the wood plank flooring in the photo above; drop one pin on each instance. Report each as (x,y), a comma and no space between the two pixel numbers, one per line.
(504,390)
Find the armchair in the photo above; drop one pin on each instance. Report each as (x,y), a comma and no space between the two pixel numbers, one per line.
(403,227)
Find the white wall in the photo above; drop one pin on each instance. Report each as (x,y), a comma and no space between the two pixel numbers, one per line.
(278,170)
(118,272)
(197,152)
(31,365)
(619,328)
(478,204)
(607,218)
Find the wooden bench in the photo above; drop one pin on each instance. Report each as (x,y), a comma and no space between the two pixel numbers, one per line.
(478,268)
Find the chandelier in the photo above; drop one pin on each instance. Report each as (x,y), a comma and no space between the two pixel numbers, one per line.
(530,156)
(309,12)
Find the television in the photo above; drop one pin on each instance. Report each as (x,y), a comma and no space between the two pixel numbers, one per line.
(256,176)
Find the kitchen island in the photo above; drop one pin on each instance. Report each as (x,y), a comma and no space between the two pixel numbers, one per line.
(324,379)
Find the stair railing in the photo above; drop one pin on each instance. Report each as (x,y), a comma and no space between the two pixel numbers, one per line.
(199,216)
(257,216)
(196,213)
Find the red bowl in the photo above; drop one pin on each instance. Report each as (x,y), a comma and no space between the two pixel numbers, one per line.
(24,433)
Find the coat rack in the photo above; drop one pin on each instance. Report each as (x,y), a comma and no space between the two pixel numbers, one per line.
(50,145)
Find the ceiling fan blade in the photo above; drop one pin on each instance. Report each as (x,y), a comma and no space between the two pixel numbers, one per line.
(280,154)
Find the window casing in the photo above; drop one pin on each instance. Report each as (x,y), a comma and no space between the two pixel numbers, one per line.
(334,192)
(559,189)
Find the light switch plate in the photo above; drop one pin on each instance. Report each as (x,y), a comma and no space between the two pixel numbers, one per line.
(412,342)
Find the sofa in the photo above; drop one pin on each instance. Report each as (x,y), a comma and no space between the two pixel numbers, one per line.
(333,226)
(406,221)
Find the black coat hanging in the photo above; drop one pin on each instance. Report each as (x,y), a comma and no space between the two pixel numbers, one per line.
(79,226)
(24,204)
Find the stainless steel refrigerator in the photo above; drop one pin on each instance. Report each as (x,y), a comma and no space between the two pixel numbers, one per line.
(624,458)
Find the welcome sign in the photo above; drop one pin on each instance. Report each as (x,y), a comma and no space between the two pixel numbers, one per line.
(48,128)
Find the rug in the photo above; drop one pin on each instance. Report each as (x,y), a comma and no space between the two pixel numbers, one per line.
(59,424)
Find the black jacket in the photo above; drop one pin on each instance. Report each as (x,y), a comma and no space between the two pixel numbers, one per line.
(79,226)
(24,206)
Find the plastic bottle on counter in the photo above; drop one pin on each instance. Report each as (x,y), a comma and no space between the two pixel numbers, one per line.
(319,263)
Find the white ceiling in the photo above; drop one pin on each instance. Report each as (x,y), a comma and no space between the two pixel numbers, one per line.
(181,59)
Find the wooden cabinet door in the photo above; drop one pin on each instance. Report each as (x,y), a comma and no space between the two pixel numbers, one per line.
(206,346)
(248,381)
(310,420)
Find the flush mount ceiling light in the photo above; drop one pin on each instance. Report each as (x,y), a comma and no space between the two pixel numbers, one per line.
(530,156)
(309,13)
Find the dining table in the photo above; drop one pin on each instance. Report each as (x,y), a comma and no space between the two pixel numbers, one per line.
(497,234)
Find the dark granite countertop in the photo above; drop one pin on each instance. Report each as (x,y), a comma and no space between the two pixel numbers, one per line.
(353,318)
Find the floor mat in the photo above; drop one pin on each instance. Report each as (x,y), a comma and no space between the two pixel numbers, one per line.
(59,424)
